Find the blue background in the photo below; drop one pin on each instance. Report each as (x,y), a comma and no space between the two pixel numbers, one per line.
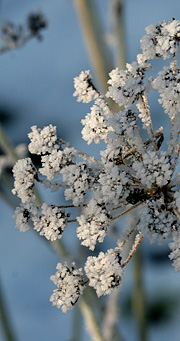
(36,83)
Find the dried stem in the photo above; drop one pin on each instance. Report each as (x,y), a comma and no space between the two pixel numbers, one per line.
(90,321)
(148,122)
(94,39)
(117,13)
(136,244)
(128,210)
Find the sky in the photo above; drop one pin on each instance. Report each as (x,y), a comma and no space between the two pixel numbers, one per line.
(37,86)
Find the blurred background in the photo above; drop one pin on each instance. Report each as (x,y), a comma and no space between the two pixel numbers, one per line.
(36,88)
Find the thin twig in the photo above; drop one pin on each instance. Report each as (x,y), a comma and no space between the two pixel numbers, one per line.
(136,244)
(126,211)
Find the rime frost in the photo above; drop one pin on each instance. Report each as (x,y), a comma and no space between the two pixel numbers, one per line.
(129,172)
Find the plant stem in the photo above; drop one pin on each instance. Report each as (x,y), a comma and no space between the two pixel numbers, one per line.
(90,320)
(94,39)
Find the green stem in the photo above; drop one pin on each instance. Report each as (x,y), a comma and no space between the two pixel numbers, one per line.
(95,40)
(139,301)
(5,320)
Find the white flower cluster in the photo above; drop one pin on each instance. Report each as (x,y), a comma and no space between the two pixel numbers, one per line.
(95,126)
(104,272)
(25,175)
(78,179)
(42,140)
(70,283)
(54,162)
(168,85)
(157,221)
(50,222)
(127,86)
(155,169)
(84,88)
(162,40)
(130,171)
(93,225)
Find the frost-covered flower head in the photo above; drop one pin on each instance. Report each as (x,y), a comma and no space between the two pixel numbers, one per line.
(130,172)
(70,283)
(84,88)
(162,40)
(104,272)
(42,140)
(50,221)
(25,175)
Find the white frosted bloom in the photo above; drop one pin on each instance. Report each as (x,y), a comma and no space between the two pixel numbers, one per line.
(114,184)
(154,169)
(162,40)
(95,126)
(157,221)
(25,175)
(42,140)
(84,88)
(54,162)
(70,285)
(104,272)
(168,85)
(127,86)
(78,179)
(50,221)
(93,225)
(23,215)
(123,126)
